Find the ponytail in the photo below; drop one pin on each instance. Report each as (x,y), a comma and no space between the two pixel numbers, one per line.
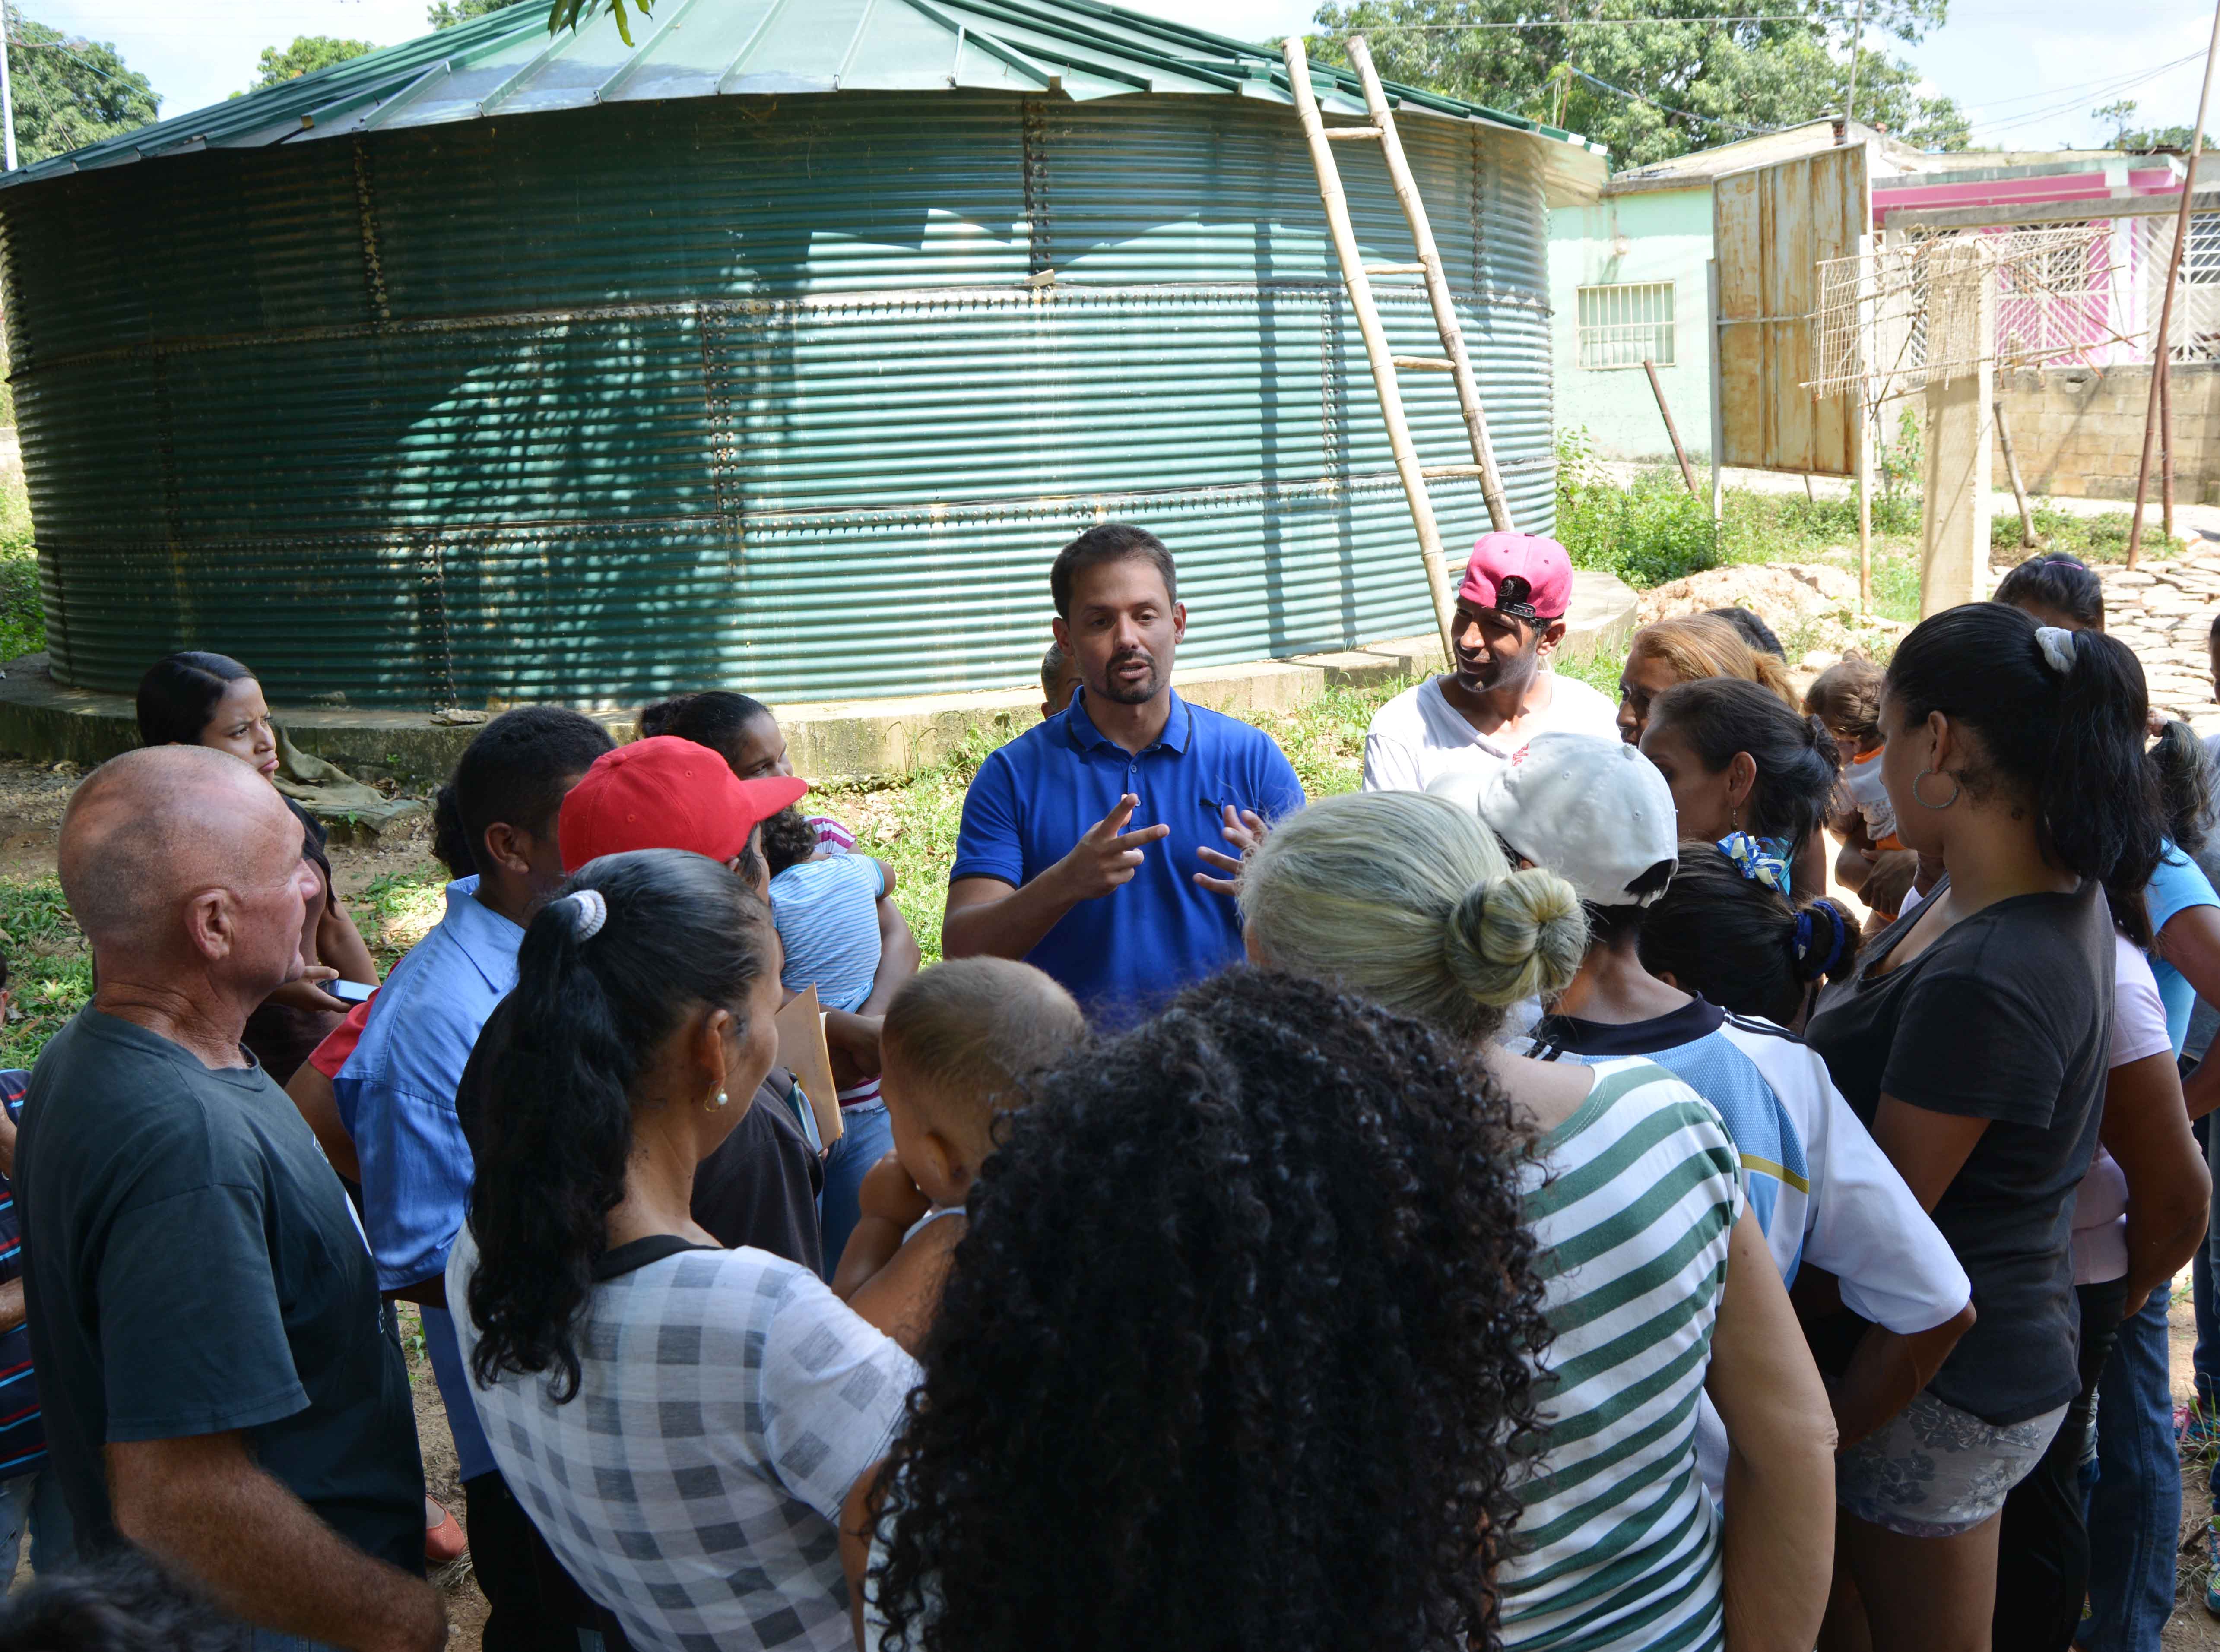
(606,972)
(2060,716)
(1741,944)
(2184,783)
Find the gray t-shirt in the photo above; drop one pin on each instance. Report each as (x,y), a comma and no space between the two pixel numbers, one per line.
(2007,1016)
(2205,1020)
(193,1267)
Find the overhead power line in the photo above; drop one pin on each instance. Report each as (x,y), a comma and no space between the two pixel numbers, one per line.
(2070,105)
(63,47)
(1686,114)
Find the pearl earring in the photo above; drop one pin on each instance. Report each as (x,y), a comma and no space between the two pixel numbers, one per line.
(716,1102)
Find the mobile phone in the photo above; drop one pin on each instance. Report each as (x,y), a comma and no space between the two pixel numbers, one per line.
(354,992)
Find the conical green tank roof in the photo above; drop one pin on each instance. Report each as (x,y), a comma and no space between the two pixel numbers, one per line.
(507,64)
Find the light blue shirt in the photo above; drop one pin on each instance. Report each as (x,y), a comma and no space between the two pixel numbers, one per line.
(2175,887)
(396,1099)
(827,914)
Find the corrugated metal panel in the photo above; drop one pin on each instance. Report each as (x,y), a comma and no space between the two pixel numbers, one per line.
(1771,227)
(504,65)
(655,398)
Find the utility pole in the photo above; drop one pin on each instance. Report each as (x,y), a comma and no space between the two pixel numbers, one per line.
(1851,103)
(2161,357)
(7,95)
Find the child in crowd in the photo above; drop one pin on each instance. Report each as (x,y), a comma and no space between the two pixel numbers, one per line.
(1059,680)
(1846,697)
(961,1043)
(826,904)
(1727,936)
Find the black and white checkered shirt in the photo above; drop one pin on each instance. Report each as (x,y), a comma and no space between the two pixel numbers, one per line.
(727,1403)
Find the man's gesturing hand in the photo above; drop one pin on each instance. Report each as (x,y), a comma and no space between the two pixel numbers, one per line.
(1243,830)
(1103,859)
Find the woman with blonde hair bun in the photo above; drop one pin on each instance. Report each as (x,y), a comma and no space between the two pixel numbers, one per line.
(1635,1192)
(1686,649)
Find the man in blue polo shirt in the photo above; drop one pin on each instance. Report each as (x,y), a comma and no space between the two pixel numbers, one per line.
(1090,843)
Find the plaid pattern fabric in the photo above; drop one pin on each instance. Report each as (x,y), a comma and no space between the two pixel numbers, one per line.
(727,1402)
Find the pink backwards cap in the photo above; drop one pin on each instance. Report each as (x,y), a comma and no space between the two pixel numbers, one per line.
(1522,574)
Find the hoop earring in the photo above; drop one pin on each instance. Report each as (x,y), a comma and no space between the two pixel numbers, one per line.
(1957,786)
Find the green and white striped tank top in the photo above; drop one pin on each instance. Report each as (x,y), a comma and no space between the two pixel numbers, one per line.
(1618,1545)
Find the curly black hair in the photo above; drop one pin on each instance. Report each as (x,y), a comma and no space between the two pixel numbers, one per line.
(120,1602)
(1235,1352)
(788,839)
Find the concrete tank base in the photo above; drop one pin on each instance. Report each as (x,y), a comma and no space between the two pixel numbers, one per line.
(843,740)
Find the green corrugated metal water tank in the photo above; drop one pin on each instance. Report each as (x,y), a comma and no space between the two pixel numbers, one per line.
(779,351)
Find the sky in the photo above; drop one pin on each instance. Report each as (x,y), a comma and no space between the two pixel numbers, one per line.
(2029,72)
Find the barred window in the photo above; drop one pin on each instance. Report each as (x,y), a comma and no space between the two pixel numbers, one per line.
(1622,325)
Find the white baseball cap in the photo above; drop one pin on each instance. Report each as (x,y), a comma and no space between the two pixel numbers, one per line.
(1595,812)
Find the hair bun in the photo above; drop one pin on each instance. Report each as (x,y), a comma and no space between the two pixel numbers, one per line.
(1518,935)
(1822,938)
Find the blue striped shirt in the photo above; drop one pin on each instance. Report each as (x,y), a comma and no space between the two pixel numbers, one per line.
(22,1435)
(827,914)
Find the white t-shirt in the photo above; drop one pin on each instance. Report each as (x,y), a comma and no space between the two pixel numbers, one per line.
(1821,1188)
(2100,1203)
(1418,737)
(727,1403)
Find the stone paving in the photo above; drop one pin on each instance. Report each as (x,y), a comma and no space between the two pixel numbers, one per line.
(2164,611)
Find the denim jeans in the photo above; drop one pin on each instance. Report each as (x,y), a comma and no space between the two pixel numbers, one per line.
(32,1505)
(2206,1360)
(2135,1511)
(866,1134)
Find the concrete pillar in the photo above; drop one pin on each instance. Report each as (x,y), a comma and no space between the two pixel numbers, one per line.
(1960,428)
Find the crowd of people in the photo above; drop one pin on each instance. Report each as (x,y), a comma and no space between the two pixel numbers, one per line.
(1513,1203)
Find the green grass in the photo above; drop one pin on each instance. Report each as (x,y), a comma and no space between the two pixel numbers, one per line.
(23,623)
(49,974)
(1654,530)
(394,911)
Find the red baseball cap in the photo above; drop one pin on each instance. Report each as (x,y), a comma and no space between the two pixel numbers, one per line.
(1522,574)
(666,793)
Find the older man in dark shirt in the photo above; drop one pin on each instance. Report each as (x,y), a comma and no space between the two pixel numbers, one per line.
(204,1310)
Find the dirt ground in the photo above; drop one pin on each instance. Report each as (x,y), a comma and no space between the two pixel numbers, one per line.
(466,1607)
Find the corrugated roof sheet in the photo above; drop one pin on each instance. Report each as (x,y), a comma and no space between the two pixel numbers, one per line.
(507,63)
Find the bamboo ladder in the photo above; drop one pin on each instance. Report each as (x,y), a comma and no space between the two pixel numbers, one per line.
(1357,275)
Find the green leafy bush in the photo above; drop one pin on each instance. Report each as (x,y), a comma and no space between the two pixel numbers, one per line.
(1648,534)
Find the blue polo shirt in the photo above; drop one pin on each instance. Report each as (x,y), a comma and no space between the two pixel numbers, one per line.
(397,1099)
(1124,954)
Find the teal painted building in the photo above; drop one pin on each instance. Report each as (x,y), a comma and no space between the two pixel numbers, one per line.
(1627,279)
(780,350)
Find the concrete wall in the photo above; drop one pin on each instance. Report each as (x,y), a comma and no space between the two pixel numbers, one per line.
(1669,237)
(2079,431)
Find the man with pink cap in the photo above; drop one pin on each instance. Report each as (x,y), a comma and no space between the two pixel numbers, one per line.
(1498,693)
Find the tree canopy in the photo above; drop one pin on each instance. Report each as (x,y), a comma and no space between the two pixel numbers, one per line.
(307,54)
(1677,80)
(2120,116)
(445,14)
(69,92)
